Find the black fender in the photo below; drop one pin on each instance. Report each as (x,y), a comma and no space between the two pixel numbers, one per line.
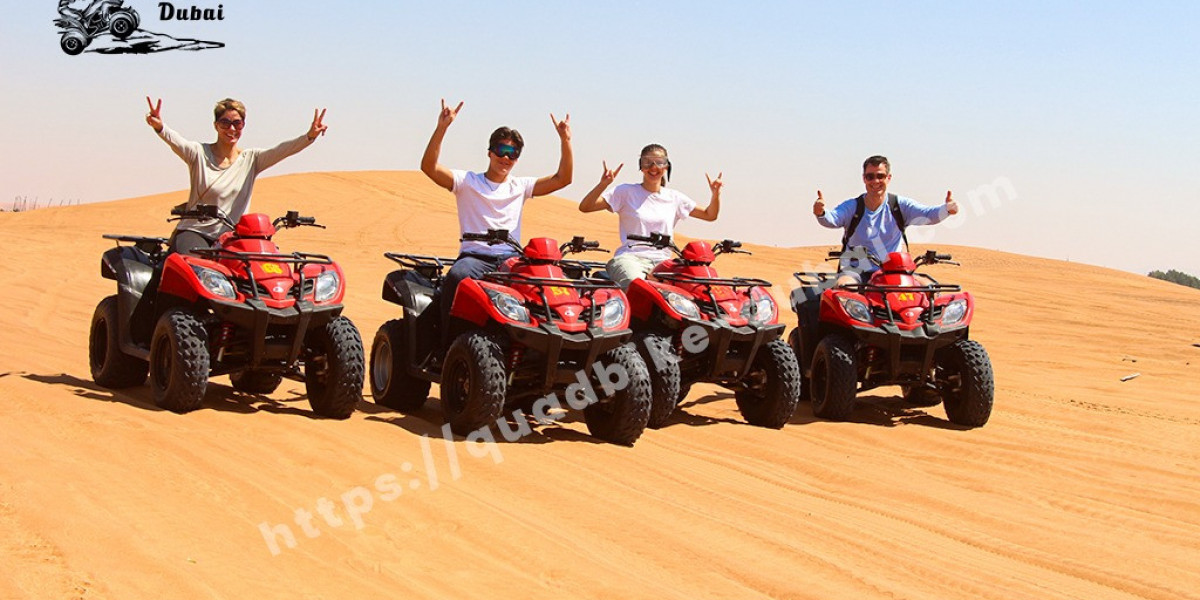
(409,289)
(133,270)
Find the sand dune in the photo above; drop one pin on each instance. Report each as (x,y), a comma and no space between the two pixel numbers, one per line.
(1081,486)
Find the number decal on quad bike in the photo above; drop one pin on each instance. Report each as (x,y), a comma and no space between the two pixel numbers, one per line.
(906,297)
(560,291)
(272,268)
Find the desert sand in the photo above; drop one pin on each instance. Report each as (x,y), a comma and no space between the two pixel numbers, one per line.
(1080,486)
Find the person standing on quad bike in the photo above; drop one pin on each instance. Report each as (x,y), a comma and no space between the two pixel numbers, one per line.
(222,173)
(871,225)
(646,208)
(490,200)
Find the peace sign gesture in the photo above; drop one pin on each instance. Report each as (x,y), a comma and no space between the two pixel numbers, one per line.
(609,176)
(317,128)
(446,117)
(154,117)
(715,184)
(563,127)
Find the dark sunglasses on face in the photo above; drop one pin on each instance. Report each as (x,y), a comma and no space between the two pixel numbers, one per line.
(875,176)
(226,123)
(661,163)
(506,151)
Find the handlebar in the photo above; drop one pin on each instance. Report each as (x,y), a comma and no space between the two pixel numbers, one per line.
(492,237)
(293,219)
(578,244)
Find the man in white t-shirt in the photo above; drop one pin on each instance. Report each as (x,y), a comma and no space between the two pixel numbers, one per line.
(489,200)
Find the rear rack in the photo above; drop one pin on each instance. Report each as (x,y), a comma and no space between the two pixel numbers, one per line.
(298,259)
(429,267)
(154,246)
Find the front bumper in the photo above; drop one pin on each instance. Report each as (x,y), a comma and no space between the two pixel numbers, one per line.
(275,334)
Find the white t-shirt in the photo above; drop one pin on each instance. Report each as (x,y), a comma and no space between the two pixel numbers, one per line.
(484,205)
(643,212)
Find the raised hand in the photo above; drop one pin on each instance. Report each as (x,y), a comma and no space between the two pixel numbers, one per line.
(446,117)
(563,127)
(819,205)
(154,117)
(951,205)
(317,128)
(715,184)
(609,176)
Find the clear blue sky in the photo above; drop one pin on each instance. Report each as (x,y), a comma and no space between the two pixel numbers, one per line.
(1080,118)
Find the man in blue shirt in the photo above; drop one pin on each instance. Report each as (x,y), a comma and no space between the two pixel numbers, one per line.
(874,226)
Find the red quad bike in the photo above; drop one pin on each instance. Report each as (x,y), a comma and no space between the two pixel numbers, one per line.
(899,328)
(242,308)
(532,328)
(740,324)
(80,27)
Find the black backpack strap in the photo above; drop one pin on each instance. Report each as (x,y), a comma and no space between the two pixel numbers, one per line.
(894,206)
(860,206)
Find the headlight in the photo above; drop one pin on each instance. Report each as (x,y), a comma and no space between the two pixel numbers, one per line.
(327,286)
(613,313)
(857,310)
(761,309)
(681,305)
(215,282)
(508,305)
(955,311)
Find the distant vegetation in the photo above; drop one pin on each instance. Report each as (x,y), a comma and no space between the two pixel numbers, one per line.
(24,203)
(1177,277)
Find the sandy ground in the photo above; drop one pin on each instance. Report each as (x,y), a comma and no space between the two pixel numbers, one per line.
(1081,486)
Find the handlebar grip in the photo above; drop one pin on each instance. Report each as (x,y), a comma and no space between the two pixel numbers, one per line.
(638,238)
(306,220)
(476,237)
(591,244)
(942,256)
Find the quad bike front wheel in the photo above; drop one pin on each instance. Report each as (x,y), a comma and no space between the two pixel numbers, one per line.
(333,369)
(73,42)
(122,25)
(391,385)
(111,367)
(474,382)
(255,381)
(968,383)
(774,387)
(622,418)
(179,361)
(834,378)
(662,365)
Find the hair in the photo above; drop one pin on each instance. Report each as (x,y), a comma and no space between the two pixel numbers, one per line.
(226,105)
(505,133)
(877,160)
(656,148)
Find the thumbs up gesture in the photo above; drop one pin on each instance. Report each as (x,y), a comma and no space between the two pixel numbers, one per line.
(951,205)
(819,205)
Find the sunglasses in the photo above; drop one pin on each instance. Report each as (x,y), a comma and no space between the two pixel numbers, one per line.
(506,151)
(661,163)
(875,176)
(226,123)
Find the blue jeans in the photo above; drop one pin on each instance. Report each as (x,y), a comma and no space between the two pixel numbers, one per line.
(466,266)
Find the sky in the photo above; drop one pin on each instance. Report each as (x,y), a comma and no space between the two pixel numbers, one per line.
(1066,130)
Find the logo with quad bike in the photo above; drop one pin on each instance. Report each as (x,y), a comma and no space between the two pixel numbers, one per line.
(113,27)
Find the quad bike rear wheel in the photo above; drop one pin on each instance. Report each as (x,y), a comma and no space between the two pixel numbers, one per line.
(474,382)
(333,369)
(391,385)
(774,389)
(622,418)
(796,341)
(968,383)
(111,367)
(662,365)
(834,378)
(255,381)
(179,361)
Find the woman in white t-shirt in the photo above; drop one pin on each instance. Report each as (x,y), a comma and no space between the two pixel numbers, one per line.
(645,208)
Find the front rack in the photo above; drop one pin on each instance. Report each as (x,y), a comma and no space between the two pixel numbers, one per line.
(297,259)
